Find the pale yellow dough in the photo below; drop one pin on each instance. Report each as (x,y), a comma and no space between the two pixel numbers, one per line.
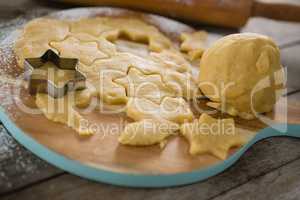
(63,110)
(148,132)
(118,56)
(72,47)
(243,73)
(57,76)
(183,84)
(134,29)
(210,135)
(149,86)
(193,44)
(172,109)
(36,36)
(172,60)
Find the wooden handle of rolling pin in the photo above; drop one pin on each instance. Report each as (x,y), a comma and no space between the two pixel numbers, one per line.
(229,13)
(279,11)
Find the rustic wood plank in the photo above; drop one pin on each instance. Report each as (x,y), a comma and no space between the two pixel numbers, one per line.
(19,167)
(295,95)
(291,60)
(19,8)
(16,9)
(282,32)
(261,159)
(13,9)
(279,184)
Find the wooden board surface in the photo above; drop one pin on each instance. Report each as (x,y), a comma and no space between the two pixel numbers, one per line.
(103,150)
(22,171)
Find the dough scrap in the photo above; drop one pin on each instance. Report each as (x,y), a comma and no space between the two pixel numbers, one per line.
(62,109)
(210,135)
(148,132)
(193,43)
(172,109)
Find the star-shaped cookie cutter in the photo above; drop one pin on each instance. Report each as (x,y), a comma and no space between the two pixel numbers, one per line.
(37,78)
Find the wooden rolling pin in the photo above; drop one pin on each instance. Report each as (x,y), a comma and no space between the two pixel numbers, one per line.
(229,13)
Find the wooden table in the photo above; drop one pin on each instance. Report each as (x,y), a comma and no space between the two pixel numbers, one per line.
(269,170)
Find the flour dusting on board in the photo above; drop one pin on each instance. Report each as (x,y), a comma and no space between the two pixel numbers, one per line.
(7,79)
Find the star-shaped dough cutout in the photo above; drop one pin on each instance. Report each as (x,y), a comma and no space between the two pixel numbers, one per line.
(171,59)
(104,45)
(210,135)
(149,86)
(72,47)
(193,44)
(123,61)
(105,75)
(148,132)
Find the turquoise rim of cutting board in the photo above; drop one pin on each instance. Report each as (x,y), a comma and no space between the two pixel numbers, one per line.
(137,180)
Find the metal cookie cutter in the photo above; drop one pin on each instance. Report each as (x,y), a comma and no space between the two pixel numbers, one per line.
(38,79)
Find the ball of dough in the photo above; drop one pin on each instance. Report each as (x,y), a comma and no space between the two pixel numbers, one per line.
(242,72)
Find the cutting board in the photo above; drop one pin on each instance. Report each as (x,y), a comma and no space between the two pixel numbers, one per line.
(101,157)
